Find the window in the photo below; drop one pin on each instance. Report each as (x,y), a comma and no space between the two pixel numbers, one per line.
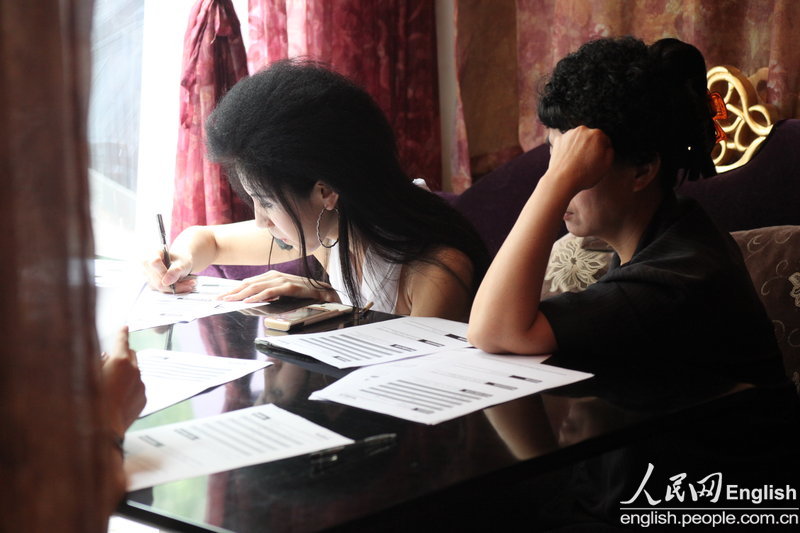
(113,127)
(137,51)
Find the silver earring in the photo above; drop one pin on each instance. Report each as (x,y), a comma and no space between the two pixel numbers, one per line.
(319,237)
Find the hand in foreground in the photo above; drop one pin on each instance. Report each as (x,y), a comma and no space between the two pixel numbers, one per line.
(123,398)
(581,157)
(273,284)
(160,278)
(123,389)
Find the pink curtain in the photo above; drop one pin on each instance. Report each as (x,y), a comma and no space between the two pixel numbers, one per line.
(748,34)
(214,59)
(386,46)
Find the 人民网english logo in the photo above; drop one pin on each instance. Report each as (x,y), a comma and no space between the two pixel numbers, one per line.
(708,500)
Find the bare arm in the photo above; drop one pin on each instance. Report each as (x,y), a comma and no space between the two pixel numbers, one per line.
(197,247)
(505,316)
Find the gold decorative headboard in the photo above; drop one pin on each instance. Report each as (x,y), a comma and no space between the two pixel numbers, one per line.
(749,120)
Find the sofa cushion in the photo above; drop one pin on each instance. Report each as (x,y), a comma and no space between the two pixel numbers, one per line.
(772,256)
(575,263)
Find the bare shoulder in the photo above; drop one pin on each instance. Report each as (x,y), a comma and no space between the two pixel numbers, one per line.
(439,286)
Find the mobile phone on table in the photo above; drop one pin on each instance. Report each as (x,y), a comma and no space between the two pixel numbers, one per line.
(305,315)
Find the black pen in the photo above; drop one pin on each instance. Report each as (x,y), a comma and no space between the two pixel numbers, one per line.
(323,460)
(167,262)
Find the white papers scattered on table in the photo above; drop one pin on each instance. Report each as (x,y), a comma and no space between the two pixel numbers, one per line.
(378,342)
(170,377)
(219,443)
(446,385)
(153,308)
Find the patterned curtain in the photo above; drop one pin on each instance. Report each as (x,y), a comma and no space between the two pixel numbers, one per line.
(386,46)
(214,59)
(748,34)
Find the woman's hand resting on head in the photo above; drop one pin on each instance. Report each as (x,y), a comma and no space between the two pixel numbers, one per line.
(580,157)
(273,284)
(161,279)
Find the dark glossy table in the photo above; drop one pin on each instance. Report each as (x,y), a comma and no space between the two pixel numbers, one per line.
(567,456)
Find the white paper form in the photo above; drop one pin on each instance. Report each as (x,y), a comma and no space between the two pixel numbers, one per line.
(446,385)
(378,342)
(223,442)
(170,377)
(153,308)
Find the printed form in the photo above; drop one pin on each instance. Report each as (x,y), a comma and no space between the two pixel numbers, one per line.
(218,443)
(446,385)
(374,343)
(171,377)
(153,308)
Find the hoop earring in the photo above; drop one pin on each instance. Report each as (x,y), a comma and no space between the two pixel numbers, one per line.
(319,237)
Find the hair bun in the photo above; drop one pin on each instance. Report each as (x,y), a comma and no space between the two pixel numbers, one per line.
(679,81)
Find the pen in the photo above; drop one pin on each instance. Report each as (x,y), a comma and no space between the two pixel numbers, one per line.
(167,262)
(361,449)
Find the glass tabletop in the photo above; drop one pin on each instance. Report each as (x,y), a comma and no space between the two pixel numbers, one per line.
(587,442)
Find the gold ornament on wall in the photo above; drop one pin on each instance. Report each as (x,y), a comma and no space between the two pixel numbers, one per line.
(748,120)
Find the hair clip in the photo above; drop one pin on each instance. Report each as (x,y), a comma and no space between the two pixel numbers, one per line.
(717,106)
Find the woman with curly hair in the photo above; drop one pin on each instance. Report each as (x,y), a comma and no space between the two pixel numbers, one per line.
(317,159)
(626,122)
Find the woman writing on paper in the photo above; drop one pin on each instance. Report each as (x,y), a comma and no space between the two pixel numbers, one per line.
(317,158)
(626,121)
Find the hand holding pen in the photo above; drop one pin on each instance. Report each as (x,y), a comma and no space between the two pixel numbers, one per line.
(165,252)
(168,271)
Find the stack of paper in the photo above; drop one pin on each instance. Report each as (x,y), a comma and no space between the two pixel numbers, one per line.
(379,342)
(153,308)
(222,442)
(170,377)
(446,385)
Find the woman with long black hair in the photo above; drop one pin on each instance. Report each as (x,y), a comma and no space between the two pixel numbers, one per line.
(318,159)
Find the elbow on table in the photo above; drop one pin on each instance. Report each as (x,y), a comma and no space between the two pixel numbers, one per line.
(485,338)
(503,338)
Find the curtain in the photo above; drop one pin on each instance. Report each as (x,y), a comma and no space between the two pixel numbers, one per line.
(214,59)
(56,466)
(386,46)
(487,100)
(748,34)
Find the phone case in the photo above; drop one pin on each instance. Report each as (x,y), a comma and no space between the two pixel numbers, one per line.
(306,315)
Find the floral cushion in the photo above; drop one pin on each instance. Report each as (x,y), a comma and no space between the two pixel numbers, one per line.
(772,256)
(575,263)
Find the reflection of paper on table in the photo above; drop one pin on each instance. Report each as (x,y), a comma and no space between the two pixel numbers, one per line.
(170,377)
(153,308)
(378,342)
(222,442)
(446,385)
